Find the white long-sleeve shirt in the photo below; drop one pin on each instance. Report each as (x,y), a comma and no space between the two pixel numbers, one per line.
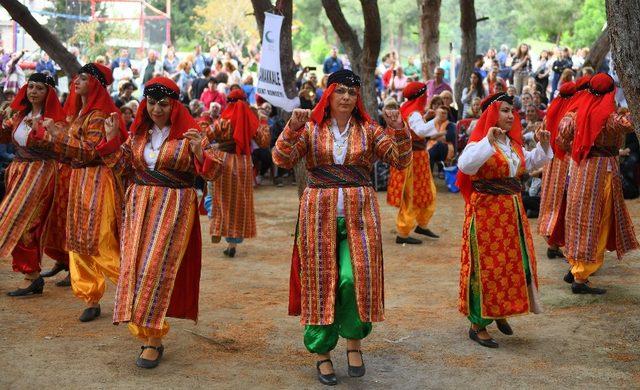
(340,145)
(476,154)
(420,127)
(152,148)
(22,131)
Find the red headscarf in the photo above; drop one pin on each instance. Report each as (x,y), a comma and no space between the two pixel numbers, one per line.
(244,121)
(557,110)
(416,95)
(98,97)
(52,107)
(181,120)
(594,108)
(320,111)
(488,119)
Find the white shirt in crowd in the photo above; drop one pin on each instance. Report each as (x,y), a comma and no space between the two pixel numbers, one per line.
(476,154)
(152,148)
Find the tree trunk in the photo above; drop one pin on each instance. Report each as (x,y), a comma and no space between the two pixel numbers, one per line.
(363,58)
(468,25)
(599,50)
(429,36)
(42,36)
(623,19)
(286,46)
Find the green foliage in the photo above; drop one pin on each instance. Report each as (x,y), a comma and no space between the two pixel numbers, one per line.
(184,22)
(92,37)
(319,49)
(588,26)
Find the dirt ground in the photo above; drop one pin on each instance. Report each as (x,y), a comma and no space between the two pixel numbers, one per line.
(244,338)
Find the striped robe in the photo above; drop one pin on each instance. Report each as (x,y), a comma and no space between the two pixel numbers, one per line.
(555,179)
(30,182)
(585,199)
(318,215)
(161,228)
(89,179)
(232,210)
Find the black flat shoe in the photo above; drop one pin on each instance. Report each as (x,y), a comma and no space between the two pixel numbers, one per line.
(584,288)
(426,232)
(36,287)
(90,314)
(328,379)
(553,253)
(473,335)
(146,363)
(66,282)
(569,278)
(355,371)
(407,240)
(229,252)
(57,268)
(504,327)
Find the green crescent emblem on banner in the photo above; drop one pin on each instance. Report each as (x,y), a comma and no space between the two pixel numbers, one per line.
(267,37)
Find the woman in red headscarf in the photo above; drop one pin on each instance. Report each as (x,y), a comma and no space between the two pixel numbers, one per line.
(161,241)
(596,216)
(413,190)
(95,195)
(337,278)
(555,176)
(25,217)
(498,277)
(233,214)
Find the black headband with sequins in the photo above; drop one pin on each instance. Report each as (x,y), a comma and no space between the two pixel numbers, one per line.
(344,77)
(95,72)
(42,78)
(159,92)
(418,93)
(501,97)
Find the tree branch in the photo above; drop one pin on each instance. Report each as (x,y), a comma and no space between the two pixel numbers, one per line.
(345,32)
(42,36)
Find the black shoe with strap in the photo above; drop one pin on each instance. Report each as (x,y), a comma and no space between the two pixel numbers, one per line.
(553,253)
(36,287)
(90,314)
(569,278)
(489,343)
(355,371)
(66,282)
(426,232)
(229,252)
(146,363)
(408,240)
(326,379)
(584,288)
(504,327)
(57,268)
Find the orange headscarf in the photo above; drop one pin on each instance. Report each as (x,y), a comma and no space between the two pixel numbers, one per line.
(556,111)
(489,118)
(180,119)
(52,107)
(594,107)
(349,79)
(98,97)
(244,121)
(416,94)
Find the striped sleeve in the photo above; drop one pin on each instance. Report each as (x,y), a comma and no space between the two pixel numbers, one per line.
(263,135)
(393,146)
(83,148)
(291,146)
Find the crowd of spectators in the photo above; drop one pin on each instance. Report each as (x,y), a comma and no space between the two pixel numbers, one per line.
(205,78)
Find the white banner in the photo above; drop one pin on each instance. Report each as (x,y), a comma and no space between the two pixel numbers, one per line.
(270,84)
